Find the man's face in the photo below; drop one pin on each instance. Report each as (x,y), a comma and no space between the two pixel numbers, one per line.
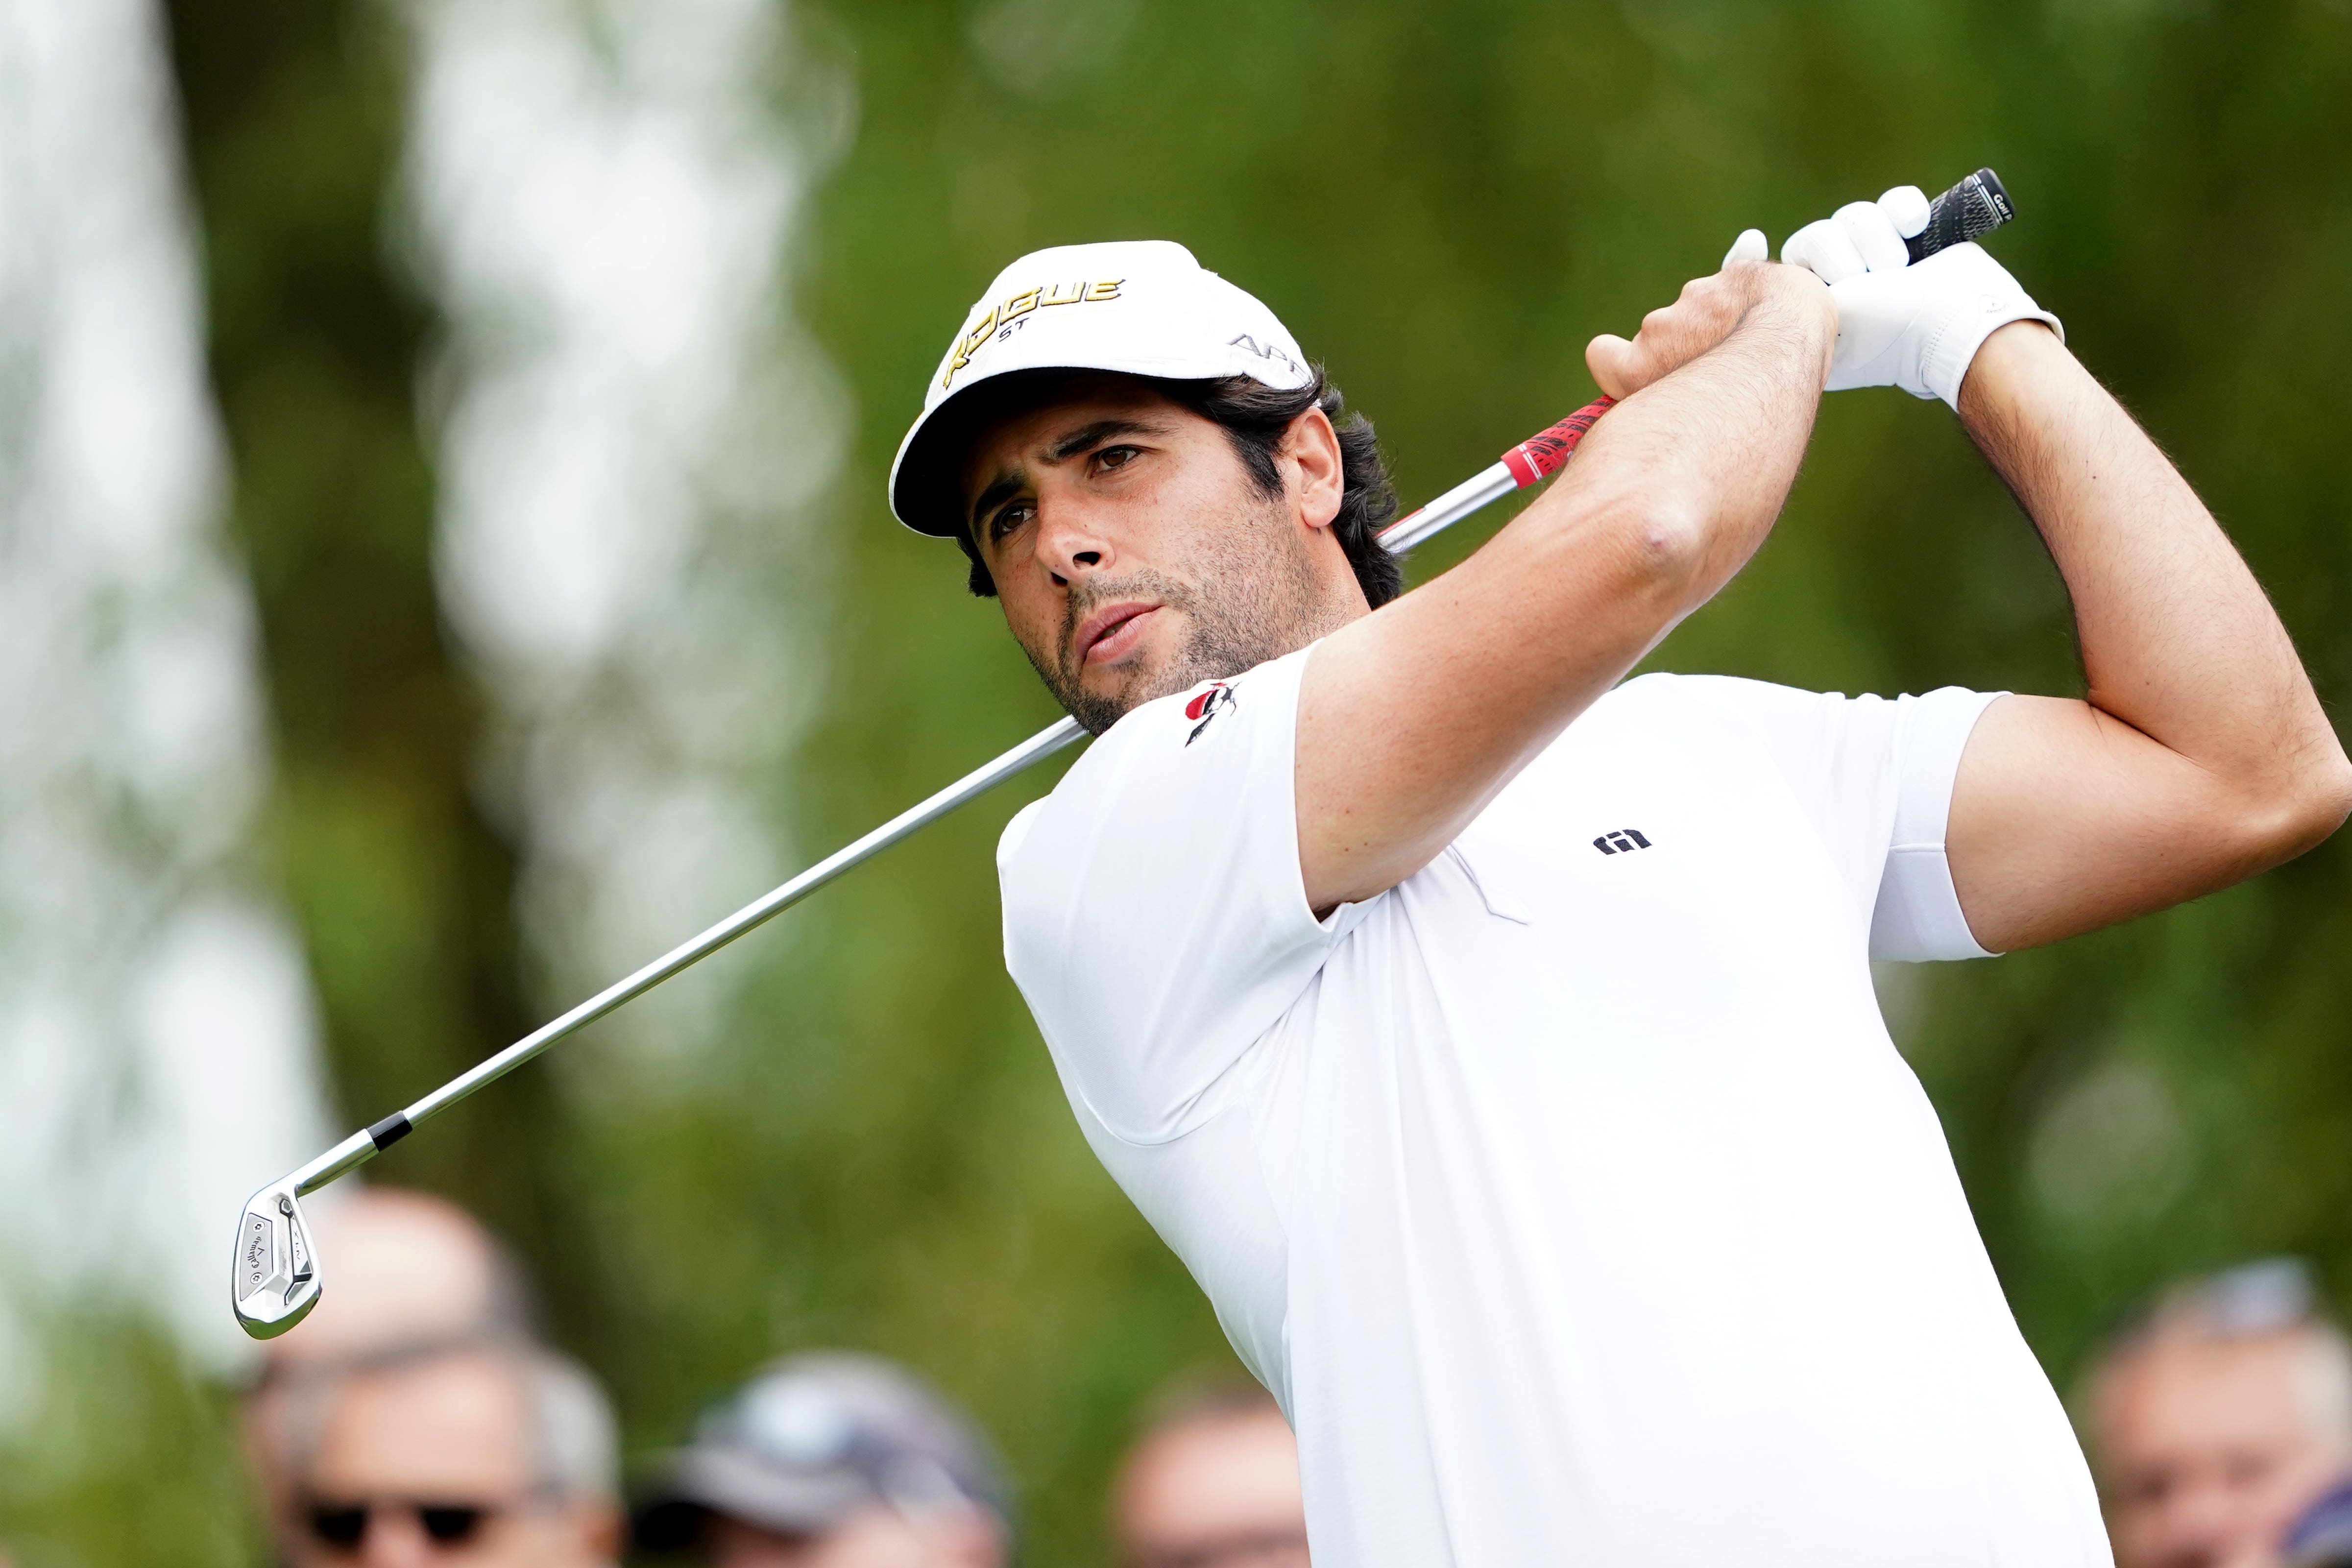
(429,1466)
(1133,554)
(1218,1491)
(2210,1449)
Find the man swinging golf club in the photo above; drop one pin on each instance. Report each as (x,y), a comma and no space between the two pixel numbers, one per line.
(1496,1042)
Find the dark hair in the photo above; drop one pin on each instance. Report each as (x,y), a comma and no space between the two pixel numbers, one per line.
(1255,418)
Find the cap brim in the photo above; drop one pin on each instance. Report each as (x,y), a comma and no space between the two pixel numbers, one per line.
(926,485)
(697,1483)
(926,479)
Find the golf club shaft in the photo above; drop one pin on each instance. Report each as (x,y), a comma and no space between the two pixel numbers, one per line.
(1527,464)
(1975,206)
(356,1149)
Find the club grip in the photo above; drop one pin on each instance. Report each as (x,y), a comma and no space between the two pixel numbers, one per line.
(1535,458)
(1969,210)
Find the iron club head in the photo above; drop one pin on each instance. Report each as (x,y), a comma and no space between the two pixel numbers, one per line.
(275,1279)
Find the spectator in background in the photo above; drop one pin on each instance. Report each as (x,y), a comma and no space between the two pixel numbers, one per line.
(2218,1418)
(408,1266)
(829,1459)
(409,1270)
(495,1452)
(1212,1483)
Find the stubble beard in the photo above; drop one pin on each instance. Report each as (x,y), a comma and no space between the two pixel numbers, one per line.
(1252,598)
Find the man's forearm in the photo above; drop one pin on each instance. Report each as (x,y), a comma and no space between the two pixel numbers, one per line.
(2201,754)
(2177,640)
(1712,444)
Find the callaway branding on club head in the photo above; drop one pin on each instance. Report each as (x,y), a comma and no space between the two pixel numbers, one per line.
(274,1282)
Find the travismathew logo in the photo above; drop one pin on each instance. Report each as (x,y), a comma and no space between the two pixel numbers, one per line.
(1206,706)
(1624,840)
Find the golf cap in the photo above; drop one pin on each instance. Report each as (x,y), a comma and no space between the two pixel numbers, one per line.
(1143,308)
(810,1440)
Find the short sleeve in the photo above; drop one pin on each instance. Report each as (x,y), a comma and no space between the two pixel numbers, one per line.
(1875,776)
(1155,915)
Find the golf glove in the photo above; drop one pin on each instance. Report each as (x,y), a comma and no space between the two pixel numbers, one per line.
(1914,326)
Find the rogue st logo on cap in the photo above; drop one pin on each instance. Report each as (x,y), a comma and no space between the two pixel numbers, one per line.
(1003,320)
(1140,307)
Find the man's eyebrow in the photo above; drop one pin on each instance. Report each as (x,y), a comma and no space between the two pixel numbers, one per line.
(1006,486)
(1087,435)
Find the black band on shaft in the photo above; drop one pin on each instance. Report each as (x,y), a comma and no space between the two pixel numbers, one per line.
(389,1130)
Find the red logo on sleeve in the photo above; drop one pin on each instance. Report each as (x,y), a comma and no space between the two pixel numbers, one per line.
(1207,704)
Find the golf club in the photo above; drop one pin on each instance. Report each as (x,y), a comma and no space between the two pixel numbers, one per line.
(275,1279)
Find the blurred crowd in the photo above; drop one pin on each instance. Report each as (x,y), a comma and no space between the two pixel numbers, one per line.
(417,1418)
(2220,1423)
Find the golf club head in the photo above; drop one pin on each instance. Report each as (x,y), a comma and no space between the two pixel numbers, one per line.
(275,1279)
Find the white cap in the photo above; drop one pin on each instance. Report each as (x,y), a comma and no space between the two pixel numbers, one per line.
(1144,308)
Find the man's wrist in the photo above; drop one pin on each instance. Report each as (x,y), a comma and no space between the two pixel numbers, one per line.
(1795,296)
(2006,363)
(1778,280)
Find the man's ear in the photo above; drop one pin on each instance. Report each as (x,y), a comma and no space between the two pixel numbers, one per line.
(1311,448)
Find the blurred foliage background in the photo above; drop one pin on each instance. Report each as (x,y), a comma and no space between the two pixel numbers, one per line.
(1445,203)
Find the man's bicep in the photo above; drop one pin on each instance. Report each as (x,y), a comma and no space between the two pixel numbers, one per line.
(2065,819)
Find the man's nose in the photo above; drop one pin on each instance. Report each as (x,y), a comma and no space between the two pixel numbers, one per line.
(1069,545)
(396,1538)
(2206,1528)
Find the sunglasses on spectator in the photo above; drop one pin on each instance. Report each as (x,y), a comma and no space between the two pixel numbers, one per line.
(342,1526)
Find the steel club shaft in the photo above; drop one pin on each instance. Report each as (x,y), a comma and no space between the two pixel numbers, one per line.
(275,1280)
(1527,464)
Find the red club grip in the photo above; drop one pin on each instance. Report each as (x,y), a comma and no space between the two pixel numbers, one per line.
(1535,458)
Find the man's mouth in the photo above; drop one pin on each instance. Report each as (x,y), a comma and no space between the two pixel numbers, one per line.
(1113,632)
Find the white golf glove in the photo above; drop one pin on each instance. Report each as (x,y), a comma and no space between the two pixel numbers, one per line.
(1899,325)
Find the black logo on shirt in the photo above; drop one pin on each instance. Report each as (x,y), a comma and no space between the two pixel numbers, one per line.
(1623,840)
(1207,705)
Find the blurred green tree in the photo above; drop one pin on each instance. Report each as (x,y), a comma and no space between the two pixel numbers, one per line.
(404,886)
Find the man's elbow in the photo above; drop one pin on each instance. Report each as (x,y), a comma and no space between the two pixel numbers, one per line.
(1662,543)
(2307,800)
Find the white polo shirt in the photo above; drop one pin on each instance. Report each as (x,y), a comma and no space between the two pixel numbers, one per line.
(1570,1194)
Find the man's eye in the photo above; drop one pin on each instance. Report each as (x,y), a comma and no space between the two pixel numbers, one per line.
(1116,456)
(1009,518)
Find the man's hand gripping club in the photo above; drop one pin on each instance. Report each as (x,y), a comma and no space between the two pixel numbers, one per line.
(1914,324)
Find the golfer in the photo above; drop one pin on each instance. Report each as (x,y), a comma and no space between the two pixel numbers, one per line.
(1492,1036)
